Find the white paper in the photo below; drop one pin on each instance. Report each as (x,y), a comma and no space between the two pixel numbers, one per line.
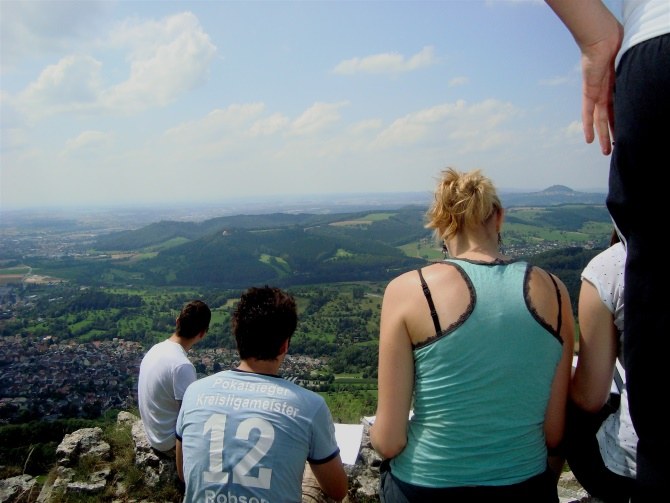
(349,437)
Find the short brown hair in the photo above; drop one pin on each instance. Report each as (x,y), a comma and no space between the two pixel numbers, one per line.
(193,319)
(262,321)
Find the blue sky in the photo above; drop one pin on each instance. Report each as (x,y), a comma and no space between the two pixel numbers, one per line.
(160,102)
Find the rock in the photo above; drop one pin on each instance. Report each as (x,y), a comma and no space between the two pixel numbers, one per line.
(82,443)
(19,488)
(157,469)
(126,419)
(95,484)
(86,443)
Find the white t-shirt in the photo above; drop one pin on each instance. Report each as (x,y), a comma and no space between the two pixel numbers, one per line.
(165,373)
(616,437)
(643,20)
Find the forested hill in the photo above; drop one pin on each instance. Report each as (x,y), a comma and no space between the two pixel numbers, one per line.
(284,249)
(293,249)
(161,232)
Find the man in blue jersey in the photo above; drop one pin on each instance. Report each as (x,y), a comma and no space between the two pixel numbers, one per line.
(245,434)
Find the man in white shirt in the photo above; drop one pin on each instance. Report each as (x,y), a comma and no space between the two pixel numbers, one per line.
(166,372)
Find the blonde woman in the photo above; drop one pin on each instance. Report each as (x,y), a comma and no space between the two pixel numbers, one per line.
(480,347)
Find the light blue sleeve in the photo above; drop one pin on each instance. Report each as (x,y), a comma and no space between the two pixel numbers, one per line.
(324,444)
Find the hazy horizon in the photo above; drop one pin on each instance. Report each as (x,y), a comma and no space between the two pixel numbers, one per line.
(357,198)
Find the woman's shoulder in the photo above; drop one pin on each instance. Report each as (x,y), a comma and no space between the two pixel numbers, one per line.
(404,279)
(540,279)
(609,263)
(432,273)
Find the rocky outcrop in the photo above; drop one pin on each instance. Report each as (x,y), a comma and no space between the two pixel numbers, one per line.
(88,445)
(157,469)
(19,488)
(85,445)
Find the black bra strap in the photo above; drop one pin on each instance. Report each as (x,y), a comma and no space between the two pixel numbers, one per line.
(431,304)
(558,296)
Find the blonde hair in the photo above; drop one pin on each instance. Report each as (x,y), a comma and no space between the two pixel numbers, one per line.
(461,200)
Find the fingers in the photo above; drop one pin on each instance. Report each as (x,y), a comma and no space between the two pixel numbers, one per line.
(603,128)
(588,110)
(598,117)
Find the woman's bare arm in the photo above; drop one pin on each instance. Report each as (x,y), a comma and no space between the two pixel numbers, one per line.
(598,347)
(388,434)
(554,422)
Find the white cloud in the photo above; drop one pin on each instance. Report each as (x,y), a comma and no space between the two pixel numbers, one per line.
(415,126)
(458,127)
(87,143)
(366,125)
(458,81)
(231,120)
(573,129)
(32,28)
(555,81)
(13,138)
(71,85)
(392,63)
(317,117)
(167,58)
(269,125)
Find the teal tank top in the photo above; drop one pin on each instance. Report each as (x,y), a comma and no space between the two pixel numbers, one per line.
(481,387)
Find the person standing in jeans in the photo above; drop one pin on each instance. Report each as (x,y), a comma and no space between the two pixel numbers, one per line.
(626,77)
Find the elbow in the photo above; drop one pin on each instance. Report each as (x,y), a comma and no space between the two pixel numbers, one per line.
(340,492)
(590,407)
(553,440)
(587,402)
(388,445)
(388,449)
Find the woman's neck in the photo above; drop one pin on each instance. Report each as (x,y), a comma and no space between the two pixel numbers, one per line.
(471,249)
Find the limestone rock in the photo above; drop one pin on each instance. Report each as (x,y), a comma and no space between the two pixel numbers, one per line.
(80,443)
(17,488)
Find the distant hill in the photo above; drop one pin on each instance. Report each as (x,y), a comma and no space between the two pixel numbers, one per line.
(160,232)
(551,196)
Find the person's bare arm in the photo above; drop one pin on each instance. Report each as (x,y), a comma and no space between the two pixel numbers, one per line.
(598,35)
(179,458)
(332,478)
(554,421)
(388,434)
(592,379)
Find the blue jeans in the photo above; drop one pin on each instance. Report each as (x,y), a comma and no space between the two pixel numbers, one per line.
(538,489)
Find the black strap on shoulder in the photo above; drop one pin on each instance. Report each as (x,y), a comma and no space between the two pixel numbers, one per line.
(431,304)
(558,296)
